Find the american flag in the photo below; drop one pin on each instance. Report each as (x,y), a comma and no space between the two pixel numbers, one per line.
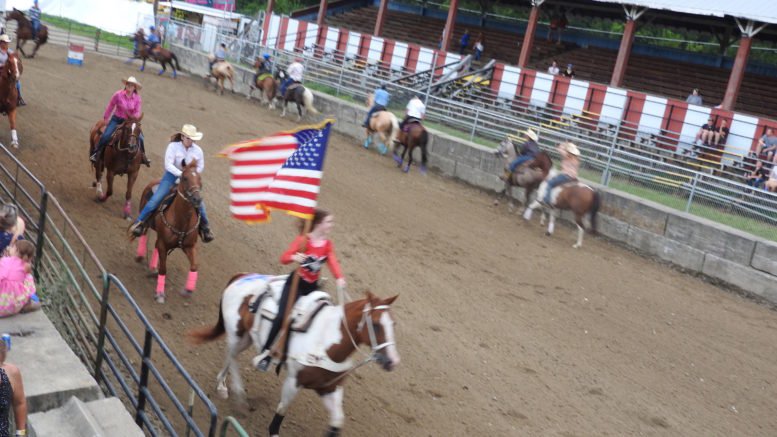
(282,171)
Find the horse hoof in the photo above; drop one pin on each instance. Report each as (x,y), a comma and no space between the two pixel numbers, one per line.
(141,69)
(161,72)
(423,170)
(186,293)
(223,392)
(160,298)
(576,246)
(15,144)
(382,149)
(397,159)
(367,143)
(139,259)
(547,234)
(152,273)
(102,198)
(496,203)
(406,169)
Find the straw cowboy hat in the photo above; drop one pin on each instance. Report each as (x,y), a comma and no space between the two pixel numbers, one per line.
(531,134)
(572,149)
(5,38)
(130,79)
(190,131)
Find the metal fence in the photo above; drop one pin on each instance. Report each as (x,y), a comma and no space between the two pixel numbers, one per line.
(656,164)
(93,40)
(100,320)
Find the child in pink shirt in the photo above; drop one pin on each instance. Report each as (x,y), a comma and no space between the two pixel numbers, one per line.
(17,286)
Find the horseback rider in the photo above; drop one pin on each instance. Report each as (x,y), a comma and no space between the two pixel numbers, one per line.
(181,151)
(263,66)
(34,14)
(135,44)
(5,52)
(380,102)
(529,150)
(220,55)
(311,251)
(414,112)
(125,103)
(294,73)
(153,41)
(570,163)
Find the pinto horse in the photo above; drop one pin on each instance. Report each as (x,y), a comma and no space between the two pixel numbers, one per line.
(267,84)
(383,123)
(318,352)
(221,71)
(160,55)
(529,176)
(24,32)
(121,156)
(176,228)
(298,94)
(416,136)
(9,95)
(575,196)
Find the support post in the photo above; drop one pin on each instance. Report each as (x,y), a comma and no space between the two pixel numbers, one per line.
(381,20)
(321,13)
(450,24)
(740,63)
(622,62)
(528,37)
(267,19)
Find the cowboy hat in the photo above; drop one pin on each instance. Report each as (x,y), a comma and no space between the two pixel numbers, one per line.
(572,149)
(190,131)
(5,38)
(133,81)
(531,134)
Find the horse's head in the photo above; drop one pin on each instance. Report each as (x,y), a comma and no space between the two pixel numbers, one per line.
(12,69)
(376,329)
(16,14)
(129,133)
(191,184)
(505,146)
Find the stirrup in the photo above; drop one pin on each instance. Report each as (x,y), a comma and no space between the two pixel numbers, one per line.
(262,361)
(206,235)
(136,230)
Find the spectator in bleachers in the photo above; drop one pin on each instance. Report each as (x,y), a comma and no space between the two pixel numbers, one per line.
(758,176)
(11,226)
(771,184)
(479,46)
(694,98)
(17,286)
(553,70)
(767,144)
(569,71)
(11,396)
(720,134)
(705,134)
(464,42)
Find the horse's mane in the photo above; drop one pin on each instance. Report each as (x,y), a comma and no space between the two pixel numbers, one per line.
(21,19)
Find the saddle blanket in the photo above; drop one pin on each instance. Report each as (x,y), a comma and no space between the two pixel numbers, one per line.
(406,127)
(556,190)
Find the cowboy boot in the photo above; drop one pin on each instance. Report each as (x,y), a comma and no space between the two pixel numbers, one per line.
(144,160)
(137,229)
(21,102)
(206,234)
(506,174)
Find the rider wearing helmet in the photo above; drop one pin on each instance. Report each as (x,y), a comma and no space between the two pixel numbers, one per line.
(414,112)
(294,73)
(263,66)
(570,163)
(124,103)
(153,40)
(5,52)
(380,102)
(181,151)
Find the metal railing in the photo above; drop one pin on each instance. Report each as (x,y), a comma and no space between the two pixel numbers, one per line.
(652,162)
(98,317)
(92,40)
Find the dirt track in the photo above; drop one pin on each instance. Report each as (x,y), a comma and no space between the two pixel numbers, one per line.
(502,330)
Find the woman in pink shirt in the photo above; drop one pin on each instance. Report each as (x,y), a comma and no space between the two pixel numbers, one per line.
(125,103)
(570,163)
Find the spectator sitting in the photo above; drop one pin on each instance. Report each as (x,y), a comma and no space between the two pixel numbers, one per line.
(771,184)
(569,72)
(11,226)
(694,98)
(720,134)
(11,395)
(464,42)
(758,176)
(705,134)
(553,70)
(17,286)
(767,144)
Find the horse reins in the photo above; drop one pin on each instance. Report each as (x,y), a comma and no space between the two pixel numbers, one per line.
(183,234)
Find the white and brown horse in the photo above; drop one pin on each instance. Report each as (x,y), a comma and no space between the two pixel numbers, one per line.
(318,356)
(10,73)
(575,196)
(221,71)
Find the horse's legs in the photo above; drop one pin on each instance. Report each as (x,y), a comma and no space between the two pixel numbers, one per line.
(109,182)
(580,230)
(160,278)
(551,223)
(288,394)
(299,111)
(143,67)
(98,175)
(408,150)
(234,347)
(131,178)
(334,404)
(164,67)
(285,105)
(12,122)
(20,46)
(191,280)
(424,158)
(529,209)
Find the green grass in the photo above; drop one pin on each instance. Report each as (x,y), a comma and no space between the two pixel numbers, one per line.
(86,30)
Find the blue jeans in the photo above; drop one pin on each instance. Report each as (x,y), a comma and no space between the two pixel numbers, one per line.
(285,85)
(520,159)
(555,182)
(19,89)
(167,182)
(374,109)
(477,54)
(109,130)
(35,28)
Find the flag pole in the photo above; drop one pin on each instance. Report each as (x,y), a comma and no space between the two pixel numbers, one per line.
(279,348)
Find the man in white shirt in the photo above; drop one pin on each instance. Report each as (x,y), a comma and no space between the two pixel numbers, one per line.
(180,152)
(414,112)
(553,69)
(294,73)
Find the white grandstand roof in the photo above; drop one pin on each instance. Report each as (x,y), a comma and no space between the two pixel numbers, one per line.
(764,11)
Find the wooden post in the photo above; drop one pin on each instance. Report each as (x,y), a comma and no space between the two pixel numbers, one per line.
(278,349)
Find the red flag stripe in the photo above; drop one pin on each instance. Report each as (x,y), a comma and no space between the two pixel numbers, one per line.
(278,161)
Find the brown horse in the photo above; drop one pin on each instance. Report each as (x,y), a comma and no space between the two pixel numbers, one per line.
(319,356)
(176,228)
(9,95)
(160,55)
(120,157)
(529,176)
(24,32)
(575,196)
(221,71)
(416,136)
(265,83)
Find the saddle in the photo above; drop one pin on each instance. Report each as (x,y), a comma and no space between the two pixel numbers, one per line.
(166,201)
(263,76)
(524,175)
(305,310)
(293,86)
(409,123)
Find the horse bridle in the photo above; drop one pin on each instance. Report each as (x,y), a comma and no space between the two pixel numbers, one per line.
(187,195)
(129,148)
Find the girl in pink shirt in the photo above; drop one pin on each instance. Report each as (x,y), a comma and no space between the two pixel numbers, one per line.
(17,286)
(124,104)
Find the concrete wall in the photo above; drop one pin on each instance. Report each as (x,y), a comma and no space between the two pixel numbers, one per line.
(694,244)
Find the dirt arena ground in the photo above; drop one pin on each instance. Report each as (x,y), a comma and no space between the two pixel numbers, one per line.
(502,331)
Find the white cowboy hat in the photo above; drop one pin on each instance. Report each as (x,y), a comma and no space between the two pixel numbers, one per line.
(572,149)
(133,81)
(5,38)
(190,131)
(531,134)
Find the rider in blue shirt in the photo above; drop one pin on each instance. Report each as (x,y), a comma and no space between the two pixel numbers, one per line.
(35,19)
(380,102)
(529,150)
(218,56)
(153,39)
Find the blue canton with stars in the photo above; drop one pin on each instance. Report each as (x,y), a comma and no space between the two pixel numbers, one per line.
(312,148)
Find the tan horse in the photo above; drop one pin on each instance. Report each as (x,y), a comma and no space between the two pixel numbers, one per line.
(383,123)
(221,71)
(121,156)
(9,95)
(24,32)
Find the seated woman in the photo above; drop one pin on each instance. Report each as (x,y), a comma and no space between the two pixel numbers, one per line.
(17,286)
(771,184)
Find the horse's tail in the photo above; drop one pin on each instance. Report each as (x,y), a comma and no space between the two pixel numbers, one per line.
(394,132)
(307,99)
(597,202)
(175,58)
(204,335)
